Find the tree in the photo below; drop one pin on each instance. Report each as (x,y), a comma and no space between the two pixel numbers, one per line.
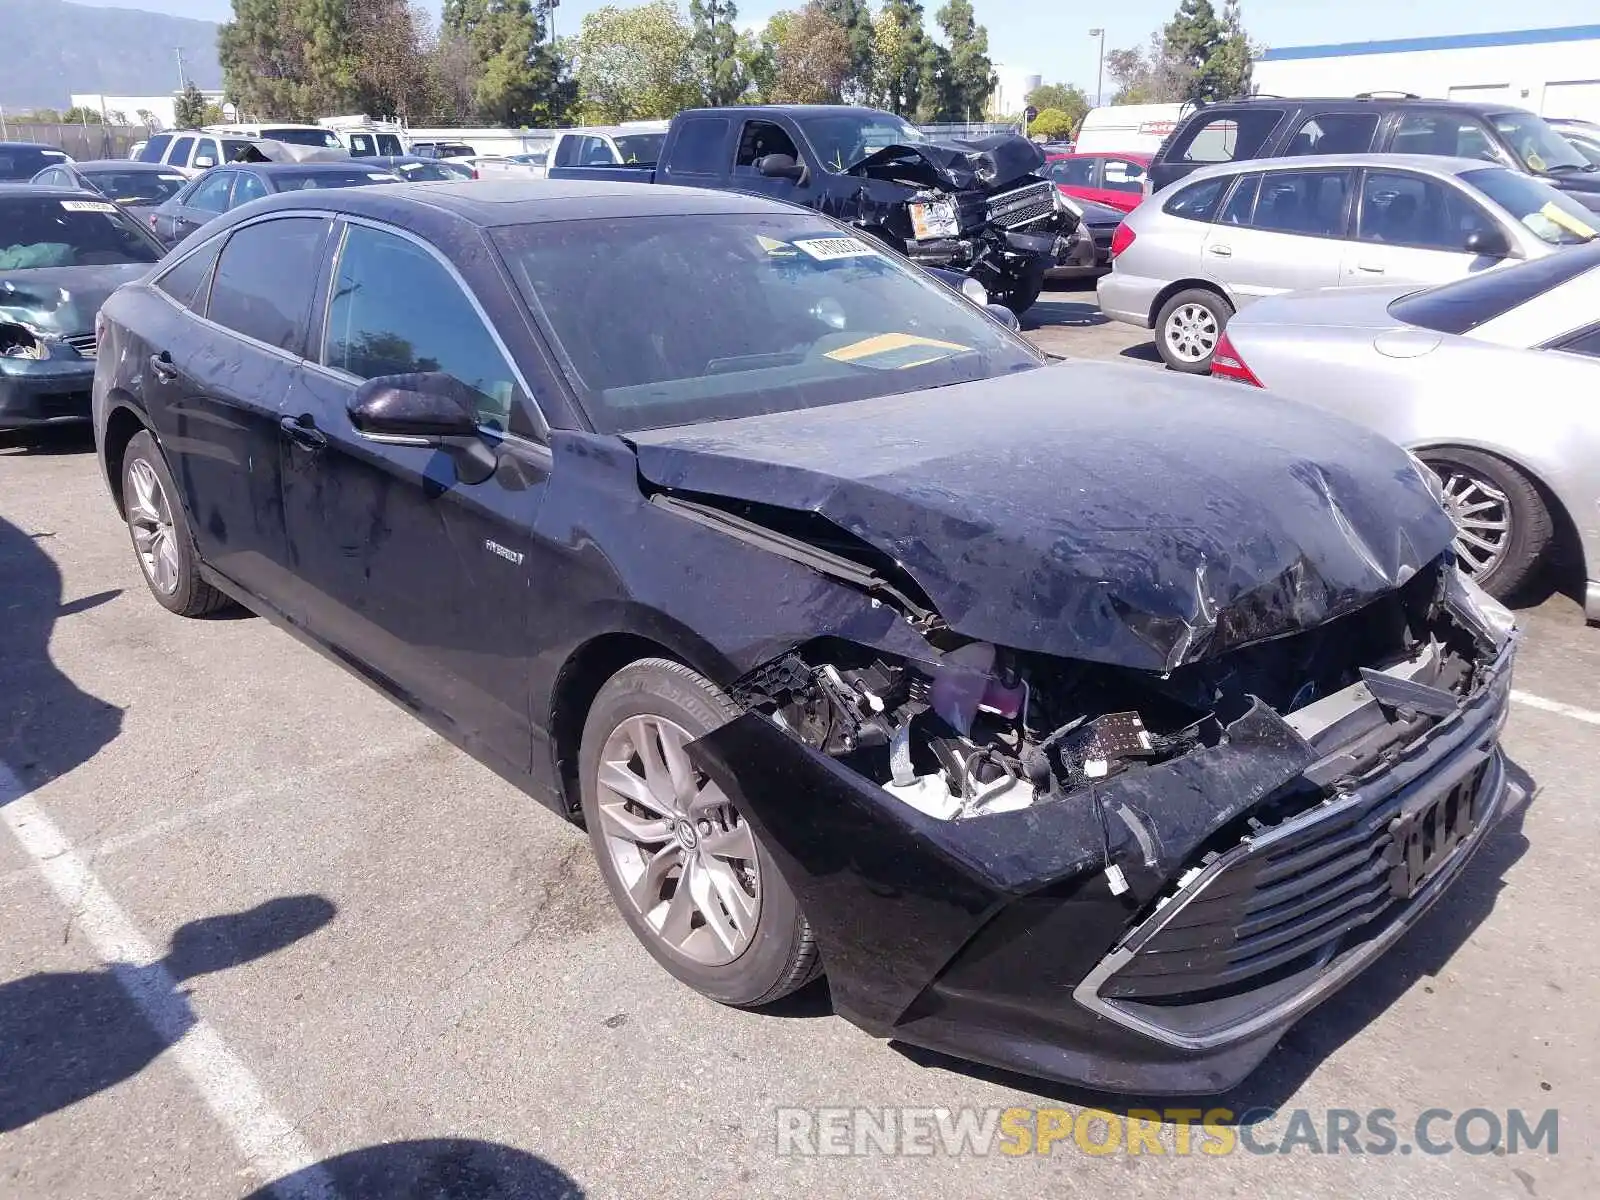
(811,62)
(903,57)
(714,46)
(1067,98)
(855,18)
(635,62)
(1053,124)
(80,114)
(964,77)
(189,109)
(1147,76)
(1190,41)
(1231,60)
(517,78)
(391,71)
(147,118)
(288,59)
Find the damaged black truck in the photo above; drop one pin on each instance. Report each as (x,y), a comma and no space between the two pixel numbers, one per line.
(979,207)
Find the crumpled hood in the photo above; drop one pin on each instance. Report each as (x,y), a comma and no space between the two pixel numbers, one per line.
(983,164)
(1091,510)
(61,301)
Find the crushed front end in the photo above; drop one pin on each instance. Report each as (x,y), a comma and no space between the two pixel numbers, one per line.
(1128,879)
(44,379)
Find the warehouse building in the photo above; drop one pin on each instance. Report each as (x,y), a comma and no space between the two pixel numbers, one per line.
(1553,72)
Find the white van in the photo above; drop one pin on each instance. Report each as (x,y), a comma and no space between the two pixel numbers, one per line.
(282,131)
(1128,128)
(365,138)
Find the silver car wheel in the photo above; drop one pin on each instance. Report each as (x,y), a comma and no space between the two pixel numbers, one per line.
(150,519)
(684,855)
(1482,514)
(1192,332)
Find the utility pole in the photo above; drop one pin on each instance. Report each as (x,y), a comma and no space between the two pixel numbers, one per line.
(183,80)
(1100,68)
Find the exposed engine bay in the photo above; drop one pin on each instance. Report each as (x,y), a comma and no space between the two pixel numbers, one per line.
(985,729)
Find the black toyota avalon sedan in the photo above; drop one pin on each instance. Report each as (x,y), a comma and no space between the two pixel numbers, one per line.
(1071,718)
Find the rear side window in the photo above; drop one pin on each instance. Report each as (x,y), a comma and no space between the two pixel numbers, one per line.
(1074,172)
(1225,136)
(1121,175)
(1311,203)
(1334,133)
(247,187)
(155,148)
(265,279)
(210,194)
(699,148)
(1465,304)
(186,282)
(1198,201)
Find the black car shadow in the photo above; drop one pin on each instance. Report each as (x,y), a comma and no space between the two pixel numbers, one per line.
(1422,953)
(66,1035)
(77,438)
(430,1169)
(1144,352)
(1050,313)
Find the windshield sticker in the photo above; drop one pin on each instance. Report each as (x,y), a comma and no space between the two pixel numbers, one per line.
(170,178)
(830,248)
(895,351)
(774,247)
(380,175)
(89,206)
(1551,212)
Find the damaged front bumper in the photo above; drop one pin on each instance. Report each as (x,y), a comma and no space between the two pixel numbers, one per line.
(1157,931)
(44,391)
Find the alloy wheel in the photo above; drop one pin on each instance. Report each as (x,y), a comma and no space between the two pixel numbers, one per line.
(1192,332)
(682,852)
(150,519)
(1482,515)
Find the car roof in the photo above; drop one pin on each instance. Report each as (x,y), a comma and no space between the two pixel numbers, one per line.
(793,110)
(47,191)
(120,165)
(1426,163)
(344,165)
(1475,106)
(30,146)
(492,203)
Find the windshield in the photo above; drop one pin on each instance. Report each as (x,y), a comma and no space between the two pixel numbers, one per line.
(1550,215)
(843,141)
(665,321)
(292,181)
(136,187)
(19,163)
(304,137)
(37,231)
(1463,305)
(1537,146)
(640,147)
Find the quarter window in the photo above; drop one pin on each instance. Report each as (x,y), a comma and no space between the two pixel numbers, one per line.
(1408,210)
(265,279)
(1334,133)
(186,282)
(1310,203)
(1198,201)
(1225,136)
(397,310)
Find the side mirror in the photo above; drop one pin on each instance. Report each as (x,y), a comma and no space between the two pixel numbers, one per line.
(781,166)
(1490,243)
(205,161)
(1005,316)
(427,408)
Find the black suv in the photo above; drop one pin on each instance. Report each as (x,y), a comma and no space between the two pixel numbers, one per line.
(1274,127)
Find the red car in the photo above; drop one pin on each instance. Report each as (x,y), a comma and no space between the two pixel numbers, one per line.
(1106,178)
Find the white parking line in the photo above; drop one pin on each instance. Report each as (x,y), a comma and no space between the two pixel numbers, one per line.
(270,1144)
(1556,706)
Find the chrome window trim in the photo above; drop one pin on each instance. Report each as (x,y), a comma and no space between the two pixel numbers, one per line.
(541,424)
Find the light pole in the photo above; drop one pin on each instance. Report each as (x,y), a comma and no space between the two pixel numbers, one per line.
(1100,68)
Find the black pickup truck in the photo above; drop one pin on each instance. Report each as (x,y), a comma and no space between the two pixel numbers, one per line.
(979,207)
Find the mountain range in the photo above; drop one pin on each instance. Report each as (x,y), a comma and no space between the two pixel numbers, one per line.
(52,49)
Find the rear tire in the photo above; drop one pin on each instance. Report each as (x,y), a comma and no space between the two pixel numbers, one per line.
(1188,328)
(159,528)
(1503,525)
(687,873)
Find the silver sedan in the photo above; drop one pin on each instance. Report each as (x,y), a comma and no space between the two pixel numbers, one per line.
(1490,380)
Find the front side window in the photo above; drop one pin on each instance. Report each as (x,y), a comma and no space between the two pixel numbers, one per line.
(1225,136)
(664,321)
(1408,210)
(1334,133)
(210,194)
(188,281)
(1198,201)
(207,153)
(1444,134)
(265,279)
(389,145)
(1551,216)
(40,231)
(395,310)
(1586,343)
(759,139)
(698,149)
(1310,203)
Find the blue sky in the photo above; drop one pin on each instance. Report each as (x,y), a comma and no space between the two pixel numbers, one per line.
(1051,36)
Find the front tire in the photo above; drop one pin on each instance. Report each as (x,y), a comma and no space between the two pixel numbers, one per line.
(686,871)
(1188,328)
(162,543)
(1503,525)
(1024,292)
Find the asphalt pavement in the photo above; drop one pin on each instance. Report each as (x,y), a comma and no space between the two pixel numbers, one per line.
(259,929)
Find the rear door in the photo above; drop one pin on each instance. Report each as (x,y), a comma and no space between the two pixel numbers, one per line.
(420,581)
(1280,231)
(1412,229)
(219,373)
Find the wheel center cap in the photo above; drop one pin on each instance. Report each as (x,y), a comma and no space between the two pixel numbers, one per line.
(687,837)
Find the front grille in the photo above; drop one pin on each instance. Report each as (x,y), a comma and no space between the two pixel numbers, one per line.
(1287,901)
(1022,206)
(83,343)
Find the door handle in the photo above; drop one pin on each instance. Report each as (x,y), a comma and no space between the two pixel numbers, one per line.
(303,432)
(161,367)
(1369,268)
(1220,251)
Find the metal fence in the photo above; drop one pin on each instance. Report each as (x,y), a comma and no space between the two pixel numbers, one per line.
(970,129)
(82,142)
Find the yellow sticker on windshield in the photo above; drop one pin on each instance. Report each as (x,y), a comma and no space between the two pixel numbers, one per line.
(1566,220)
(774,247)
(895,351)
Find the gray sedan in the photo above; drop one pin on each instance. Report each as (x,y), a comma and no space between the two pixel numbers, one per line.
(1490,380)
(1189,257)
